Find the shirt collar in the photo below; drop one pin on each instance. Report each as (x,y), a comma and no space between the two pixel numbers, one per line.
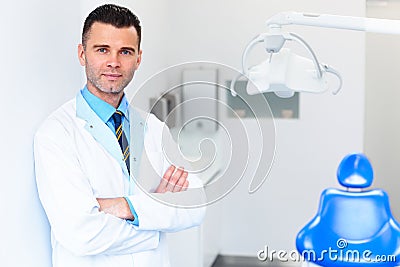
(102,108)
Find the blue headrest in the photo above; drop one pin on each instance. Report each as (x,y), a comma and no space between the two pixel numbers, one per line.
(355,171)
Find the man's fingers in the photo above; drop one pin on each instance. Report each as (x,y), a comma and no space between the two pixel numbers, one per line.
(185,185)
(162,187)
(174,179)
(169,172)
(179,184)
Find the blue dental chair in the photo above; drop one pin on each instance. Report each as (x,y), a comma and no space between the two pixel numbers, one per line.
(353,227)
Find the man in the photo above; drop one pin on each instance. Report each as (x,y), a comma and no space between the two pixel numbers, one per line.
(90,152)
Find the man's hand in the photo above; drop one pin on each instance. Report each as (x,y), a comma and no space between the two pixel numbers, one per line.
(174,180)
(116,206)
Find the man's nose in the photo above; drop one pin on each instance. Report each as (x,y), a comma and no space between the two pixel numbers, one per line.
(113,60)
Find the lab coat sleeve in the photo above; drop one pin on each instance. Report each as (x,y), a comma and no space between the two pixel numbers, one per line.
(169,212)
(164,212)
(71,206)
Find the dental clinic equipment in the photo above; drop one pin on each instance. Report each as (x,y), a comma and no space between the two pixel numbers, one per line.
(285,73)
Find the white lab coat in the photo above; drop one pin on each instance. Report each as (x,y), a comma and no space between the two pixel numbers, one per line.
(78,159)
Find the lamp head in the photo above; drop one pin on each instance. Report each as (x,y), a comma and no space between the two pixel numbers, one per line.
(284,74)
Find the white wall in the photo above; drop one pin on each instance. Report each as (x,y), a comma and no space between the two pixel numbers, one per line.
(38,74)
(309,149)
(382,115)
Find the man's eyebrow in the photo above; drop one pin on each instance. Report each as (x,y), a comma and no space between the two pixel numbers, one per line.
(129,48)
(101,46)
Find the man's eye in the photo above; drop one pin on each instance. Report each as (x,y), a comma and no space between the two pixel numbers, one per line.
(102,50)
(126,52)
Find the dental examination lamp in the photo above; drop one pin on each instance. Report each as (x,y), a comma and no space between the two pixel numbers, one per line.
(285,73)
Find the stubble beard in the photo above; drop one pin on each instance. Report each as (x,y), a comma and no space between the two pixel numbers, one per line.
(98,84)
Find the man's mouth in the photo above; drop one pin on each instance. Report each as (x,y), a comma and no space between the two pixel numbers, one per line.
(112,76)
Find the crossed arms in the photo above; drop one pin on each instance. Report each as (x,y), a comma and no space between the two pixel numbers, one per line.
(174,180)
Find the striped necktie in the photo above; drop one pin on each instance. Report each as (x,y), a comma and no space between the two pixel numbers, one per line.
(122,140)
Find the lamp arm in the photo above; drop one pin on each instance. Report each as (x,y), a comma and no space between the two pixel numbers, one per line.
(375,25)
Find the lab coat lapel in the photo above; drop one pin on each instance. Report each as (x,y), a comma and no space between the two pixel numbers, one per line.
(100,131)
(147,160)
(137,132)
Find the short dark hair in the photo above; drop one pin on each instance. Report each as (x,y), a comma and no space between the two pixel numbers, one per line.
(117,16)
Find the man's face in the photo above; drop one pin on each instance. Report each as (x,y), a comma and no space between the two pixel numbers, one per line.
(111,58)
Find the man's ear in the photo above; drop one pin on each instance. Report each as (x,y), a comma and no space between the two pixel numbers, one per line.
(139,59)
(81,55)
